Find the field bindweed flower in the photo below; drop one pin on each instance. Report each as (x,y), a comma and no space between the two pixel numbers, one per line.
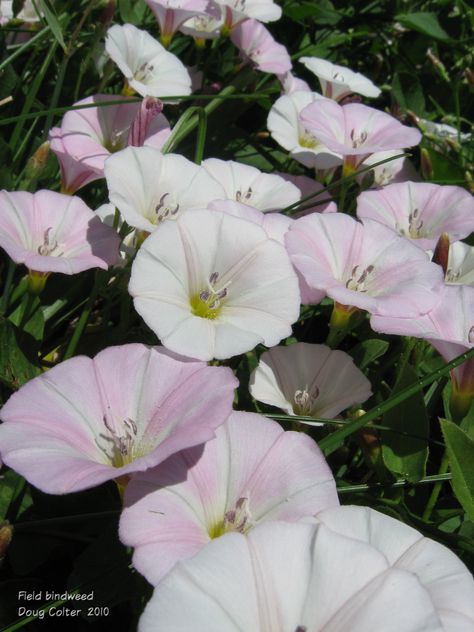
(248,185)
(147,66)
(364,265)
(449,327)
(207,26)
(420,211)
(460,270)
(236,11)
(355,569)
(51,232)
(149,187)
(252,472)
(356,131)
(258,47)
(28,12)
(142,406)
(308,379)
(285,126)
(338,82)
(211,285)
(171,14)
(90,135)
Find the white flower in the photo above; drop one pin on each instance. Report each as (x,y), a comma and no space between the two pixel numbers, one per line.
(236,11)
(148,187)
(148,67)
(356,570)
(248,185)
(286,128)
(211,285)
(338,82)
(307,379)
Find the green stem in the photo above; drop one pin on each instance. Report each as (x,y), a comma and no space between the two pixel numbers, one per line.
(84,318)
(8,285)
(433,499)
(22,49)
(437,479)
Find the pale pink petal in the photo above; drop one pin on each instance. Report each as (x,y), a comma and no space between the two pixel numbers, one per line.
(258,46)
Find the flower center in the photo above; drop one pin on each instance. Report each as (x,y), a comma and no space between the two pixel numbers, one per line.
(48,246)
(244,196)
(452,276)
(144,73)
(304,400)
(116,141)
(119,446)
(415,225)
(237,519)
(306,139)
(357,282)
(239,5)
(208,303)
(357,141)
(165,210)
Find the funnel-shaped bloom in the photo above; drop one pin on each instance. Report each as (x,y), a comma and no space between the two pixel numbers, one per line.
(364,264)
(286,128)
(337,82)
(460,269)
(420,211)
(306,379)
(257,46)
(211,285)
(248,185)
(206,26)
(90,135)
(148,187)
(324,577)
(147,66)
(449,327)
(251,472)
(171,14)
(236,11)
(142,406)
(356,131)
(52,232)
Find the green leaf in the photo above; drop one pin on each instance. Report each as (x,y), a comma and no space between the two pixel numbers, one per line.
(407,90)
(53,22)
(460,449)
(423,22)
(321,12)
(16,364)
(368,351)
(132,11)
(402,453)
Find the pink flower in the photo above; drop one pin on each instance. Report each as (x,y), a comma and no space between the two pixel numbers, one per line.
(290,83)
(306,379)
(356,131)
(88,136)
(364,265)
(449,327)
(142,406)
(250,473)
(52,232)
(420,211)
(258,46)
(171,14)
(355,570)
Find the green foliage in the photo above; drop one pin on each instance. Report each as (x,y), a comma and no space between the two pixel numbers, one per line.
(460,449)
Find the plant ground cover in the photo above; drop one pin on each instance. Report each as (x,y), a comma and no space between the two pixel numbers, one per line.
(406,448)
